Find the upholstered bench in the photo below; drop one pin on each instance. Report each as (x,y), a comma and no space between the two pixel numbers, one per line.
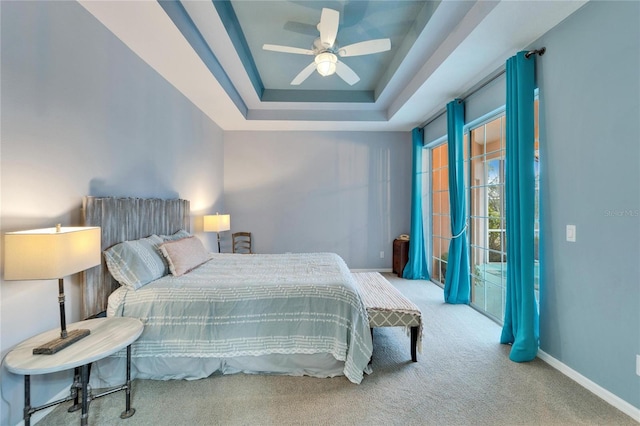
(387,307)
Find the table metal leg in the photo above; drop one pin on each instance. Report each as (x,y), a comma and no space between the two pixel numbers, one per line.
(27,400)
(75,391)
(128,410)
(29,410)
(84,419)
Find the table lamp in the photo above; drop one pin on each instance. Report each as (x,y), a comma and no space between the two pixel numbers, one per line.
(47,254)
(217,223)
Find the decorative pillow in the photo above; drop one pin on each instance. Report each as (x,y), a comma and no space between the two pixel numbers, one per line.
(184,255)
(176,236)
(136,263)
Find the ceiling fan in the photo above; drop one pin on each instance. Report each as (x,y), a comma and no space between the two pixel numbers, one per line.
(326,51)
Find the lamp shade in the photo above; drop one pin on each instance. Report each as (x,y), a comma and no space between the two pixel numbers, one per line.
(217,223)
(43,254)
(326,63)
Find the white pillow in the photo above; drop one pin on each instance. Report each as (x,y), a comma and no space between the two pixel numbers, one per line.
(184,255)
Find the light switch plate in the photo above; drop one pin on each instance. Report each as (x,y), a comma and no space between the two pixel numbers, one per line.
(571,233)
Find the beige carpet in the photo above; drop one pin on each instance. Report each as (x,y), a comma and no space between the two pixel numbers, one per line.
(462,377)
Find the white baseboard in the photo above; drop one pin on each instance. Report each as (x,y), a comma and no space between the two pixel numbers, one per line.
(598,390)
(39,415)
(371,270)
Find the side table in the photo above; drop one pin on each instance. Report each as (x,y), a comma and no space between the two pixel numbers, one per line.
(108,336)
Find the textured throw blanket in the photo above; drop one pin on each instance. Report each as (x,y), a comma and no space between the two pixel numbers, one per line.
(243,305)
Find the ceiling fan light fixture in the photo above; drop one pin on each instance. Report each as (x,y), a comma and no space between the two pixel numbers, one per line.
(326,63)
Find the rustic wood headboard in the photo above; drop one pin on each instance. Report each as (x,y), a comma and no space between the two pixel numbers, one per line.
(123,219)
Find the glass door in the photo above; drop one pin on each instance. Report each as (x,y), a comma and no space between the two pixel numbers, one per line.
(484,156)
(440,219)
(487,221)
(487,218)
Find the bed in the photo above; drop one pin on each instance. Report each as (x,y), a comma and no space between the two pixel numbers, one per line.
(294,314)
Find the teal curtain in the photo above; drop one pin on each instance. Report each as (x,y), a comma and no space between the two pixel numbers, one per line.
(457,288)
(416,267)
(521,326)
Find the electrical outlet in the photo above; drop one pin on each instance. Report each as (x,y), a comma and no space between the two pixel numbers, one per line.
(638,365)
(381,255)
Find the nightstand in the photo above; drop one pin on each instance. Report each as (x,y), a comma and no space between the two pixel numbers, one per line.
(108,336)
(400,255)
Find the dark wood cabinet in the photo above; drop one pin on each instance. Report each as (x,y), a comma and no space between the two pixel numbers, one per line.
(400,255)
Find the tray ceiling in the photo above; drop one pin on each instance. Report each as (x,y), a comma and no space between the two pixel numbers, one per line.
(212,52)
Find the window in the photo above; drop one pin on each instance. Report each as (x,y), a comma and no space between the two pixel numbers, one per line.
(440,219)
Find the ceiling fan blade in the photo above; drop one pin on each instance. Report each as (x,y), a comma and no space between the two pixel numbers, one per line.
(346,73)
(300,28)
(365,47)
(287,49)
(304,74)
(328,26)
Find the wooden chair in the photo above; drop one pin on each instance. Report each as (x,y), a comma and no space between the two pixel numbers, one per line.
(241,242)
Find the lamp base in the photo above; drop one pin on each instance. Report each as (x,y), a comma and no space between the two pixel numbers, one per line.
(58,344)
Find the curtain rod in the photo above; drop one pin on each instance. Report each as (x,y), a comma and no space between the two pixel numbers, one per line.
(535,52)
(480,85)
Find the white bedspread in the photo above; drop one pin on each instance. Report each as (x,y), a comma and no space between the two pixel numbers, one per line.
(238,306)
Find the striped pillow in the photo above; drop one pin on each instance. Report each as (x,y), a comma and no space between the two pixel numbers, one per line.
(136,263)
(178,235)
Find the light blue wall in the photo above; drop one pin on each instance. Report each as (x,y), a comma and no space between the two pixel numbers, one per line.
(342,192)
(82,115)
(589,83)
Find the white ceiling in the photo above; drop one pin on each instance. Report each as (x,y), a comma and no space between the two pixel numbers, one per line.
(439,51)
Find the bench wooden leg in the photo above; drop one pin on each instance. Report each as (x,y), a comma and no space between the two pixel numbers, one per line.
(414,343)
(371,359)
